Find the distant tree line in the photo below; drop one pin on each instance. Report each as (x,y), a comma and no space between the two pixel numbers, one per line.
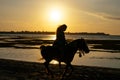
(45,32)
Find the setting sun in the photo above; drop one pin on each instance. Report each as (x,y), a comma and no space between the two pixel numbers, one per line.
(55,15)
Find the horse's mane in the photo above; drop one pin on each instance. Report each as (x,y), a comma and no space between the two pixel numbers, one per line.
(74,42)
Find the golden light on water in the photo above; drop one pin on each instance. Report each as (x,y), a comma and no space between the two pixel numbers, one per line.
(54,62)
(53,37)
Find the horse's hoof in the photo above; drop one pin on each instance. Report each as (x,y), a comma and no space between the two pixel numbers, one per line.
(61,78)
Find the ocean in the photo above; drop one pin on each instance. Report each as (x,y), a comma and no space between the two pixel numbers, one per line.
(52,36)
(97,57)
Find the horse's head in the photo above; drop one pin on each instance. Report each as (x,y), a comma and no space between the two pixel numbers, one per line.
(82,45)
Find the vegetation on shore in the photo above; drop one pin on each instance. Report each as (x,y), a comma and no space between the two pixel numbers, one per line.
(45,32)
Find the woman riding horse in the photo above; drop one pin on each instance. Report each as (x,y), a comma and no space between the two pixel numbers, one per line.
(49,53)
(60,41)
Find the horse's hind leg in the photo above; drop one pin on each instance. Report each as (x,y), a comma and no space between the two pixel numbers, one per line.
(71,69)
(47,68)
(59,65)
(64,73)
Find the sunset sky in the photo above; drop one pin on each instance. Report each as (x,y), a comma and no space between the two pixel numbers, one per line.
(47,15)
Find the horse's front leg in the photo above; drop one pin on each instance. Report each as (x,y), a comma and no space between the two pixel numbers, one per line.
(66,69)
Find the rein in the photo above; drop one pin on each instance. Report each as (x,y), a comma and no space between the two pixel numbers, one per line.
(81,53)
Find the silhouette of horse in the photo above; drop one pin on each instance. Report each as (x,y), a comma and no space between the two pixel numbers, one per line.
(50,52)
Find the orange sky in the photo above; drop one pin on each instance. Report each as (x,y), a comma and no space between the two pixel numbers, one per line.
(47,15)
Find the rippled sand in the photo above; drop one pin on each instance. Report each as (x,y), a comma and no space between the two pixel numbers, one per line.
(20,70)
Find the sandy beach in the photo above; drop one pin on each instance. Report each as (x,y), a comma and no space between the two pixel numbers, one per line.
(20,70)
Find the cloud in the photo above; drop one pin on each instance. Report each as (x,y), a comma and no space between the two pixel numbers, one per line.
(108,16)
(102,15)
(112,17)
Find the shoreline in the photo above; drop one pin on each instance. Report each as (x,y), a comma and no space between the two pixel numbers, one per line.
(30,42)
(21,70)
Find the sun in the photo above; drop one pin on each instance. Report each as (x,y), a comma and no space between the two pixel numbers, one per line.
(55,15)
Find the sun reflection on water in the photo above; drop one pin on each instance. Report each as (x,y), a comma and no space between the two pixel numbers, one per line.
(52,37)
(54,62)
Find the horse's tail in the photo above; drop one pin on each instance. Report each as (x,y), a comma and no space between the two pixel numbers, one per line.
(41,59)
(42,47)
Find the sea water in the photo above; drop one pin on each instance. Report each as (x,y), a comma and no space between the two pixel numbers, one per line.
(69,36)
(100,58)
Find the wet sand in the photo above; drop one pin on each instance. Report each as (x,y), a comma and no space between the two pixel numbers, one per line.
(20,70)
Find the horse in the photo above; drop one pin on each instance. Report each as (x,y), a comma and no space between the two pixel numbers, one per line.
(50,52)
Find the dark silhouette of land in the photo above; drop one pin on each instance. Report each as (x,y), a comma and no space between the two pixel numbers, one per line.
(45,32)
(20,70)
